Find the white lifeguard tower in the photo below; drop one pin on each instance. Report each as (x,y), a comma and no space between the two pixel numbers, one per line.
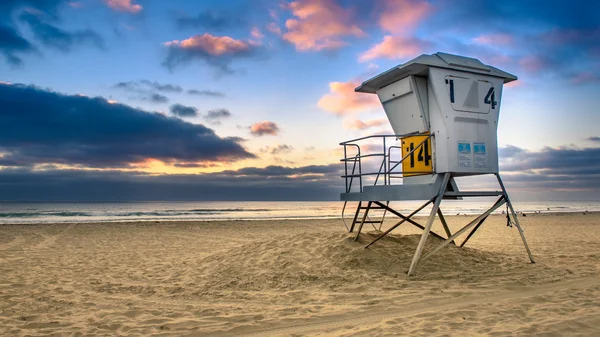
(444,111)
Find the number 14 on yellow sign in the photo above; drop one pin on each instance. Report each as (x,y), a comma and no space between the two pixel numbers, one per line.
(420,161)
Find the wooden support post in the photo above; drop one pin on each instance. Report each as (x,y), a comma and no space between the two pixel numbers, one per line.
(514,214)
(498,203)
(436,205)
(363,220)
(445,224)
(355,217)
(473,231)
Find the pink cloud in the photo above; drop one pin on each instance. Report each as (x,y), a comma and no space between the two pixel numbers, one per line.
(213,45)
(514,84)
(342,99)
(257,36)
(319,25)
(357,124)
(585,77)
(124,6)
(532,63)
(394,47)
(273,28)
(264,128)
(494,39)
(401,16)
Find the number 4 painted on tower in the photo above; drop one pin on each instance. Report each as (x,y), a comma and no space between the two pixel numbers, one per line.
(490,98)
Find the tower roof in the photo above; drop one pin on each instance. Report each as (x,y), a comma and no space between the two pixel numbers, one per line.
(420,65)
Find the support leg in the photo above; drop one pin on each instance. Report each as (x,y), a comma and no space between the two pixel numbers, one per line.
(445,224)
(514,214)
(355,217)
(436,205)
(364,218)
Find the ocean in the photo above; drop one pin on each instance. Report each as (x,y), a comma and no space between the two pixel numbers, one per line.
(28,213)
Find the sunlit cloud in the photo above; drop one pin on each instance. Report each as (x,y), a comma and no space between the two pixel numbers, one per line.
(274,28)
(342,99)
(401,16)
(124,6)
(319,25)
(394,47)
(532,63)
(357,124)
(264,128)
(217,51)
(213,45)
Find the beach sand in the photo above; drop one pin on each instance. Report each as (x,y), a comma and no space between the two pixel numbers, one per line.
(294,278)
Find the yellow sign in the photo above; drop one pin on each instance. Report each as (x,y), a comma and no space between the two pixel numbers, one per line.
(420,161)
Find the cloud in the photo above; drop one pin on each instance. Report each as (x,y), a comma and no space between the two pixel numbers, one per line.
(357,124)
(215,116)
(210,20)
(264,128)
(146,86)
(124,6)
(319,25)
(401,16)
(593,139)
(54,37)
(155,98)
(342,99)
(216,51)
(279,149)
(183,111)
(208,93)
(315,182)
(39,126)
(502,39)
(394,48)
(12,44)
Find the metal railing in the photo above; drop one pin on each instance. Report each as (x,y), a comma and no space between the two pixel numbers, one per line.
(387,168)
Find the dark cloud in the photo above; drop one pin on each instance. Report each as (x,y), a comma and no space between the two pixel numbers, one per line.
(183,111)
(264,128)
(594,139)
(210,20)
(145,86)
(12,44)
(155,98)
(208,93)
(270,183)
(564,168)
(39,126)
(52,36)
(215,116)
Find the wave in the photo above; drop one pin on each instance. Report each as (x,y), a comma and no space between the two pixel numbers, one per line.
(164,213)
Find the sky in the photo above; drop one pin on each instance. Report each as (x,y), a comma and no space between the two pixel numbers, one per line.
(248,100)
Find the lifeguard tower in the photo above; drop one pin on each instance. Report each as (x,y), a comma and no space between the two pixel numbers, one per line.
(444,112)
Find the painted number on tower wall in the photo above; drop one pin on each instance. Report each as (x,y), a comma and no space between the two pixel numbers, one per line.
(420,161)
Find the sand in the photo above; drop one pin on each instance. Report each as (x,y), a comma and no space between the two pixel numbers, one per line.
(294,278)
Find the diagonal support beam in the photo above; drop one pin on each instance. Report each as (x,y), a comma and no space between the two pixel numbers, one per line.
(404,219)
(514,214)
(498,203)
(473,231)
(436,206)
(445,224)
